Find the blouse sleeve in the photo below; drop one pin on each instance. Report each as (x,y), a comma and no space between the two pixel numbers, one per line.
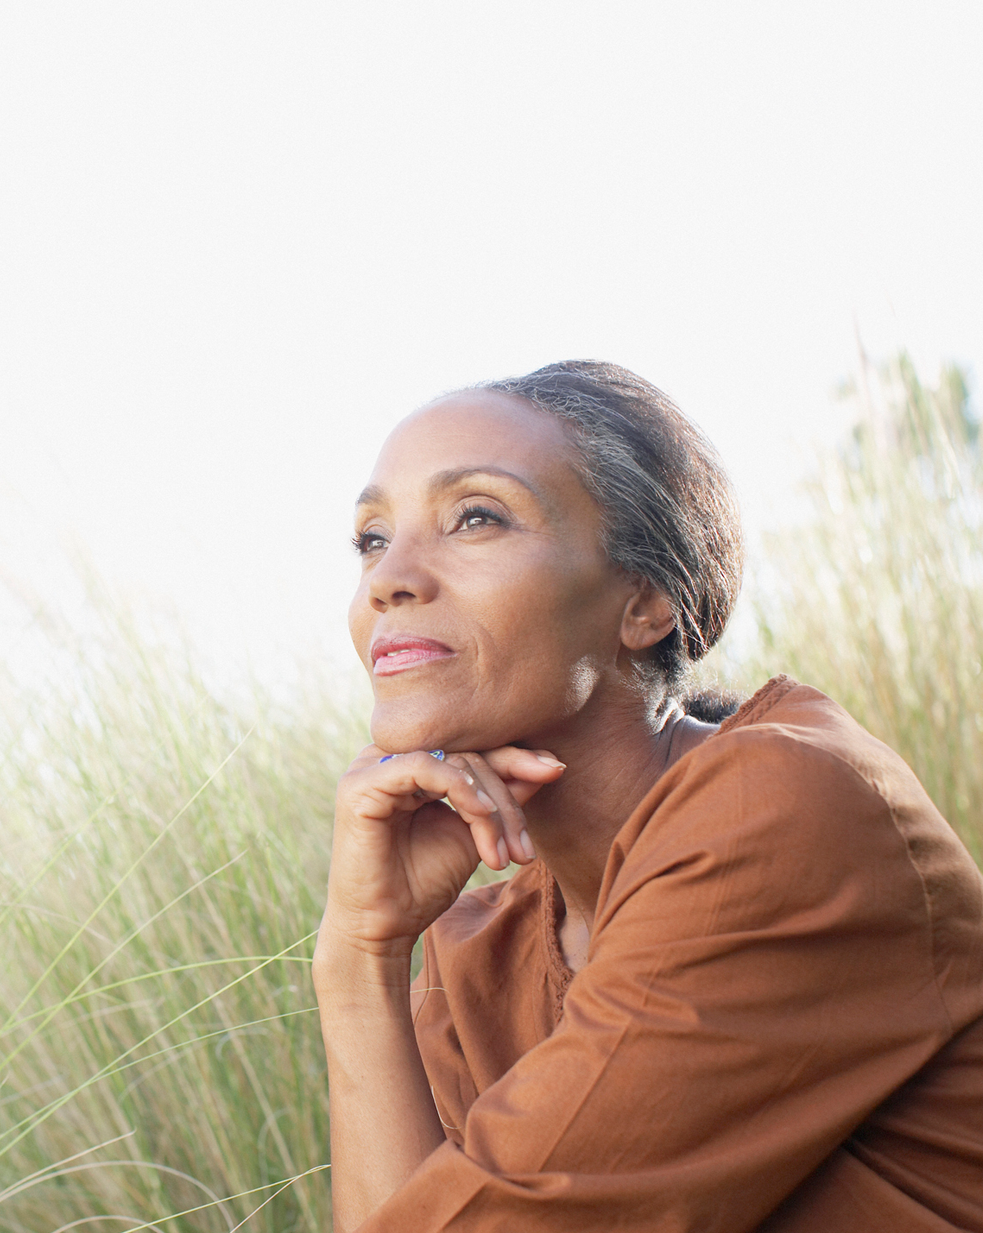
(761,977)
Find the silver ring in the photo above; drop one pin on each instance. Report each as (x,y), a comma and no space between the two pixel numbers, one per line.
(434,753)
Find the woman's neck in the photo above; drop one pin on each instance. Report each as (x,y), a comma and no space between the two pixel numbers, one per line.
(610,768)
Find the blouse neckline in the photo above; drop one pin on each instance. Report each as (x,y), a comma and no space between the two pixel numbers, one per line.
(558,974)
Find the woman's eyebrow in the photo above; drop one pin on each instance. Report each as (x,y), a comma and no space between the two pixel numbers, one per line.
(375,495)
(447,479)
(371,495)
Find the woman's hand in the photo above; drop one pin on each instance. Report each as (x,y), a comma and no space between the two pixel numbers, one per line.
(401,855)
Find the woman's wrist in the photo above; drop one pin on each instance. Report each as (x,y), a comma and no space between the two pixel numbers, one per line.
(357,974)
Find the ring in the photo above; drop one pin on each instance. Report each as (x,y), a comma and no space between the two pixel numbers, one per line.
(434,753)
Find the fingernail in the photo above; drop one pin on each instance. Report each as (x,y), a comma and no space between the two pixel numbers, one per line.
(526,844)
(503,853)
(551,761)
(485,799)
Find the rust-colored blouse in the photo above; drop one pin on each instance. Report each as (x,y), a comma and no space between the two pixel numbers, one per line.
(779,1026)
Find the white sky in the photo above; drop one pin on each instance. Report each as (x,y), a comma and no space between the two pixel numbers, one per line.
(239,240)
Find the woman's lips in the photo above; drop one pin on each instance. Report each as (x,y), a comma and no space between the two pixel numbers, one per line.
(392,655)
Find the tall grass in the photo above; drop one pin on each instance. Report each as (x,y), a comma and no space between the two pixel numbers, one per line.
(875,592)
(164,854)
(161,873)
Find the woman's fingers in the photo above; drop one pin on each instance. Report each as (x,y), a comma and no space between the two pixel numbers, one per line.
(402,783)
(524,771)
(487,791)
(511,776)
(506,817)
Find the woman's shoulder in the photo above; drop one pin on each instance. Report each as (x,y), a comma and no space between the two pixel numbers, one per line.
(791,804)
(792,777)
(795,755)
(781,700)
(789,767)
(794,742)
(785,725)
(792,737)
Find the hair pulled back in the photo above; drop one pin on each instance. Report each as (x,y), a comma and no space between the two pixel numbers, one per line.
(669,511)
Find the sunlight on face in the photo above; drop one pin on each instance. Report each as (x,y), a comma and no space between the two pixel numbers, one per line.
(488,612)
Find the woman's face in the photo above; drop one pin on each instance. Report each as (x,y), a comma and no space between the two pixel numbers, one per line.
(487,613)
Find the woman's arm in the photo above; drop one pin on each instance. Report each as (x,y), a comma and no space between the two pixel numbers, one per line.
(400,858)
(383,1120)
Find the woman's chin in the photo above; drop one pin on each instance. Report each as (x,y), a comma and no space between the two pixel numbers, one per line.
(397,731)
(405,733)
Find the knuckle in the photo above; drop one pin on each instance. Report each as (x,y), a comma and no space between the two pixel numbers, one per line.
(461,771)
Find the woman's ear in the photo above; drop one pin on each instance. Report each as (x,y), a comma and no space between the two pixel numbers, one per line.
(647,619)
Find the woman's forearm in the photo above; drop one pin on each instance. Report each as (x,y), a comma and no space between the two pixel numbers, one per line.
(383,1120)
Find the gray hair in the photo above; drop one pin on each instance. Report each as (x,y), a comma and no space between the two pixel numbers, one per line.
(669,511)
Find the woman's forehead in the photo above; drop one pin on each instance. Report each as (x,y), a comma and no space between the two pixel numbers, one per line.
(478,427)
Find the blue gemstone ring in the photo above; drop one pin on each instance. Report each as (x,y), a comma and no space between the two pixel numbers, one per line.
(434,753)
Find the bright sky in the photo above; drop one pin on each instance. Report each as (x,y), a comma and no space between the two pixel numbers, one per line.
(240,240)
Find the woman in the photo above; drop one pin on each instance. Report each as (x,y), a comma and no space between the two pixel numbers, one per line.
(737,981)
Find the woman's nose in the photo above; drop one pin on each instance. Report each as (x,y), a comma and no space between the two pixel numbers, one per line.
(401,576)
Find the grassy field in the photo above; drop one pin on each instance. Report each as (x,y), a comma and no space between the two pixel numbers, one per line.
(163,871)
(165,854)
(874,594)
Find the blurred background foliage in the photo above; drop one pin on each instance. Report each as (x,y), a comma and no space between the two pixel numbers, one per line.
(873,591)
(165,852)
(161,877)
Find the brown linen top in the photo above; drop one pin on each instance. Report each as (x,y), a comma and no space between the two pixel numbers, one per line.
(779,1026)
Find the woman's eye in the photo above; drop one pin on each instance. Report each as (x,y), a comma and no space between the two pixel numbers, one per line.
(476,516)
(368,541)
